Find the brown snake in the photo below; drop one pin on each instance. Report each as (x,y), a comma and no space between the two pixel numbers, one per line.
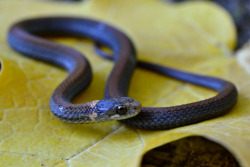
(25,37)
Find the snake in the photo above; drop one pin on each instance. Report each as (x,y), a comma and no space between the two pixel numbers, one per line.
(28,37)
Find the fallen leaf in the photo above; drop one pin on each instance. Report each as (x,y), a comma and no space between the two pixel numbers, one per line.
(193,36)
(243,57)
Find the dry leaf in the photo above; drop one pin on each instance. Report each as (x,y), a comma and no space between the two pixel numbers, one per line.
(192,36)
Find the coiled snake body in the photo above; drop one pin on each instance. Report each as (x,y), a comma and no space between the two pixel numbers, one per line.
(25,38)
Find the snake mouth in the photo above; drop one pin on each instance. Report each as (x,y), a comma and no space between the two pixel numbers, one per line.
(116,116)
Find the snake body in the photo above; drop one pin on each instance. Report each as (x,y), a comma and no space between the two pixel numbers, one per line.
(25,37)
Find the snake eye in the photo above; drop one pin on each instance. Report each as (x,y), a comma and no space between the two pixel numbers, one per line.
(121,110)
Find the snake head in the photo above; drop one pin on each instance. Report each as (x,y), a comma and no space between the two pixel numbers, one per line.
(117,109)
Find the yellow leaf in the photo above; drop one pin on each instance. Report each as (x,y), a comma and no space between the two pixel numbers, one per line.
(193,36)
